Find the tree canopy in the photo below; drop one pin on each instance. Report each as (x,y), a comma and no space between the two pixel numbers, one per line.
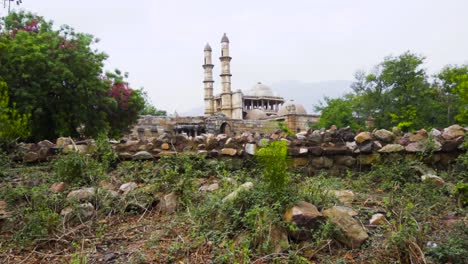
(57,77)
(398,92)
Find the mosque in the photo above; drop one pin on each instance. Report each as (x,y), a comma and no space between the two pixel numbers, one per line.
(258,109)
(257,103)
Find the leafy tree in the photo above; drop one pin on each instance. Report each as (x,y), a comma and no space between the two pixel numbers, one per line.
(12,124)
(339,112)
(58,77)
(452,85)
(397,93)
(150,109)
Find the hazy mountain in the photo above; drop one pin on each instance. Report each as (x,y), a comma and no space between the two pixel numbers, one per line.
(307,94)
(310,94)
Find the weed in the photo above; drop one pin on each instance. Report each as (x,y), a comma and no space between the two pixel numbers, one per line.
(78,169)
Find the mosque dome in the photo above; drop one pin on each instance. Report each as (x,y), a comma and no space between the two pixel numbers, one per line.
(255,114)
(260,89)
(291,107)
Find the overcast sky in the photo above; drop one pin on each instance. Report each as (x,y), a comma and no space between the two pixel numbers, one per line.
(160,43)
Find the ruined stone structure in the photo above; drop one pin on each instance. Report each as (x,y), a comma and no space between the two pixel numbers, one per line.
(258,109)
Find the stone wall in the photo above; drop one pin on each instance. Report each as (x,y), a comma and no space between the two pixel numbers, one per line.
(333,149)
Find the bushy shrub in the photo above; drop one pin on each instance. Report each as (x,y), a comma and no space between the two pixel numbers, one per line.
(104,152)
(273,160)
(75,168)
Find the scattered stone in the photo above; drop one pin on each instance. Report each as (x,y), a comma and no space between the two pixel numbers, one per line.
(419,136)
(58,187)
(384,135)
(390,148)
(250,148)
(128,187)
(344,196)
(244,187)
(306,217)
(45,144)
(366,147)
(363,136)
(142,155)
(278,238)
(85,194)
(228,151)
(125,156)
(209,188)
(352,233)
(83,211)
(31,157)
(303,151)
(435,180)
(169,203)
(452,132)
(435,133)
(377,219)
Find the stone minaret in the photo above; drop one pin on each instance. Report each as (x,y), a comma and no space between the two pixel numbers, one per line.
(208,81)
(226,94)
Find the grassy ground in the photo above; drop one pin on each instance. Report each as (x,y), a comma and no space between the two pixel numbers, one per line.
(425,223)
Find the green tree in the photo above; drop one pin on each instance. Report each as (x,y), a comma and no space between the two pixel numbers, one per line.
(452,85)
(397,93)
(57,76)
(339,112)
(12,124)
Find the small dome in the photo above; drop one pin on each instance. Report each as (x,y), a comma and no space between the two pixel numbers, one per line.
(255,114)
(207,47)
(260,90)
(290,107)
(224,38)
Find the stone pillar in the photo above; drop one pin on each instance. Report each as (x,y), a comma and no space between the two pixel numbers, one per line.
(208,82)
(226,94)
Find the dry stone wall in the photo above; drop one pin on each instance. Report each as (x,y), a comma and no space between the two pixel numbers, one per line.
(333,149)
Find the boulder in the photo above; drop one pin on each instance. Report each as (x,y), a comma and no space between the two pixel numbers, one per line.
(250,148)
(142,155)
(335,150)
(384,135)
(352,234)
(278,239)
(452,132)
(165,146)
(169,203)
(30,157)
(434,180)
(125,156)
(415,147)
(366,147)
(228,151)
(377,219)
(58,187)
(305,216)
(344,196)
(390,148)
(128,187)
(84,194)
(363,136)
(418,136)
(350,211)
(45,144)
(209,188)
(63,141)
(244,187)
(83,212)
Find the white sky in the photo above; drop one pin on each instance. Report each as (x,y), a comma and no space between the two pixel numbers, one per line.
(160,43)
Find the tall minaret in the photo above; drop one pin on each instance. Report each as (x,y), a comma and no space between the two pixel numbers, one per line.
(226,94)
(208,81)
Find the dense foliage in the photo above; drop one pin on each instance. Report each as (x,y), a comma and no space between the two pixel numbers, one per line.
(56,76)
(12,124)
(399,92)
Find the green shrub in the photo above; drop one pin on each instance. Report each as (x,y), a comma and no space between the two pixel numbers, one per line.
(455,248)
(79,169)
(273,160)
(104,152)
(13,125)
